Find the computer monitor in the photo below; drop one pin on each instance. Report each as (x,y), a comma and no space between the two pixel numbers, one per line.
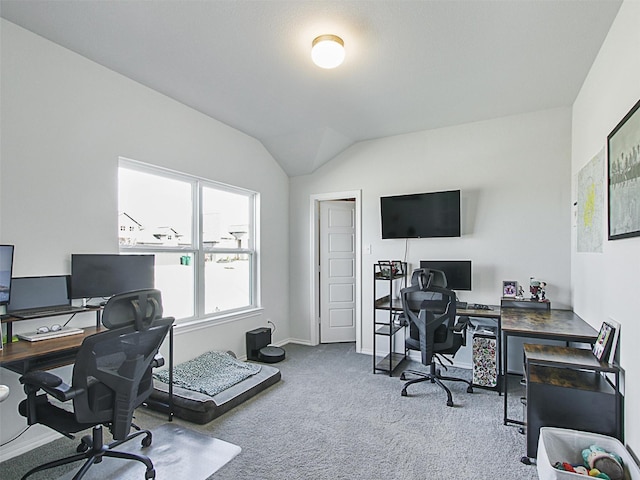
(6,270)
(104,275)
(458,272)
(39,292)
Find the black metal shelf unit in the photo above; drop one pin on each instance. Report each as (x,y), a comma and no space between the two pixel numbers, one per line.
(388,278)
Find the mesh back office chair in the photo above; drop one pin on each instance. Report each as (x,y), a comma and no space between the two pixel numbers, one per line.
(111,377)
(430,309)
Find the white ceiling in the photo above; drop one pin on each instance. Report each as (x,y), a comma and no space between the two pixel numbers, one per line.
(410,65)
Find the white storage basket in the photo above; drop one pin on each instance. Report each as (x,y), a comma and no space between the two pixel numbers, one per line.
(564,445)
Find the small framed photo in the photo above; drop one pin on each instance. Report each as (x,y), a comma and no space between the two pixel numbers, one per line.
(397,267)
(604,341)
(385,268)
(509,288)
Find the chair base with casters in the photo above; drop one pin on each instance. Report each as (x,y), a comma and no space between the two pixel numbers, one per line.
(434,376)
(92,449)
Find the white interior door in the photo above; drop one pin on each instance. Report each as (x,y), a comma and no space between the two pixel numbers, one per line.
(337,271)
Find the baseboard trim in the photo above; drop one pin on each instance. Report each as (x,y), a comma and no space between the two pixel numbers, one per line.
(297,341)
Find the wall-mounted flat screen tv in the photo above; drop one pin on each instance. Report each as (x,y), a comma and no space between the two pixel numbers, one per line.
(458,272)
(104,275)
(421,215)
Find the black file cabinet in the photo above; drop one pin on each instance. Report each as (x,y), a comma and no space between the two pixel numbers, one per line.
(569,388)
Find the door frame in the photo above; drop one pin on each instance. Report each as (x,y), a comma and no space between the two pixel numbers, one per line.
(314,258)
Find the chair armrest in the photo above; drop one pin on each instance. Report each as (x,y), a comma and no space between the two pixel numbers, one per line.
(462,324)
(50,383)
(158,361)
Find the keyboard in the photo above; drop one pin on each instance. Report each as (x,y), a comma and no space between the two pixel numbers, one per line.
(44,312)
(35,337)
(479,306)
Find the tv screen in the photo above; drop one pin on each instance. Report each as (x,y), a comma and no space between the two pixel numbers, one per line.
(104,275)
(458,272)
(6,270)
(421,215)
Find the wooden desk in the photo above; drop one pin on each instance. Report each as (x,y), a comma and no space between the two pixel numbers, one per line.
(566,389)
(22,356)
(562,325)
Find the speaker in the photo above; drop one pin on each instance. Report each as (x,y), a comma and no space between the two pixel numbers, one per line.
(257,339)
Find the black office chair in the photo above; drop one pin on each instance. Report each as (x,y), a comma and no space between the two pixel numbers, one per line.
(111,377)
(434,331)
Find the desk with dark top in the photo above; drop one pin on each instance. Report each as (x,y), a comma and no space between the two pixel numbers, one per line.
(563,325)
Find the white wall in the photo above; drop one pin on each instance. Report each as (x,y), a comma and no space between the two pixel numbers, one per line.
(65,122)
(514,174)
(605,284)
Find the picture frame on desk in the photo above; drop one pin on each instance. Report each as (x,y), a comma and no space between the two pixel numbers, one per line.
(391,268)
(397,267)
(509,288)
(604,341)
(385,268)
(623,145)
(614,343)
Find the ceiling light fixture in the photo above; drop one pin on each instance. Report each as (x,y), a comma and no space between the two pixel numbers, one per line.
(327,51)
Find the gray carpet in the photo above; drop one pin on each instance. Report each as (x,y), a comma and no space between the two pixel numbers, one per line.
(331,418)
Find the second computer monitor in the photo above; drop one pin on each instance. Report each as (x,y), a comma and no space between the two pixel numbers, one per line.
(458,272)
(104,275)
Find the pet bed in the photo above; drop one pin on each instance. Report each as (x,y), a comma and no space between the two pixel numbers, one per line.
(226,383)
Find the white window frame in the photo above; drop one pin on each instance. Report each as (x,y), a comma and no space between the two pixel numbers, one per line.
(197,248)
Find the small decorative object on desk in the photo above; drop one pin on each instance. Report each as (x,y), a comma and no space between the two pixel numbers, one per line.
(509,288)
(385,268)
(538,290)
(390,268)
(397,267)
(603,343)
(520,295)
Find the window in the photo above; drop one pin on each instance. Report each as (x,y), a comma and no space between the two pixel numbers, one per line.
(202,235)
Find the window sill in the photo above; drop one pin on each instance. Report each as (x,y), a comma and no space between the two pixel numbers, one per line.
(206,322)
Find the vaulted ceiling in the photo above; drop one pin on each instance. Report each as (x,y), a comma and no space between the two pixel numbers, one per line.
(410,65)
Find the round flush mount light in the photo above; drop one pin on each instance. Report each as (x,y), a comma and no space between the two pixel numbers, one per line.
(327,51)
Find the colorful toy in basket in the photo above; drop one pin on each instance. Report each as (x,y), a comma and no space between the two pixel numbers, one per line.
(580,470)
(607,462)
(598,463)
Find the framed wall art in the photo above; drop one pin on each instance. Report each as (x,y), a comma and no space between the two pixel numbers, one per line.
(623,153)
